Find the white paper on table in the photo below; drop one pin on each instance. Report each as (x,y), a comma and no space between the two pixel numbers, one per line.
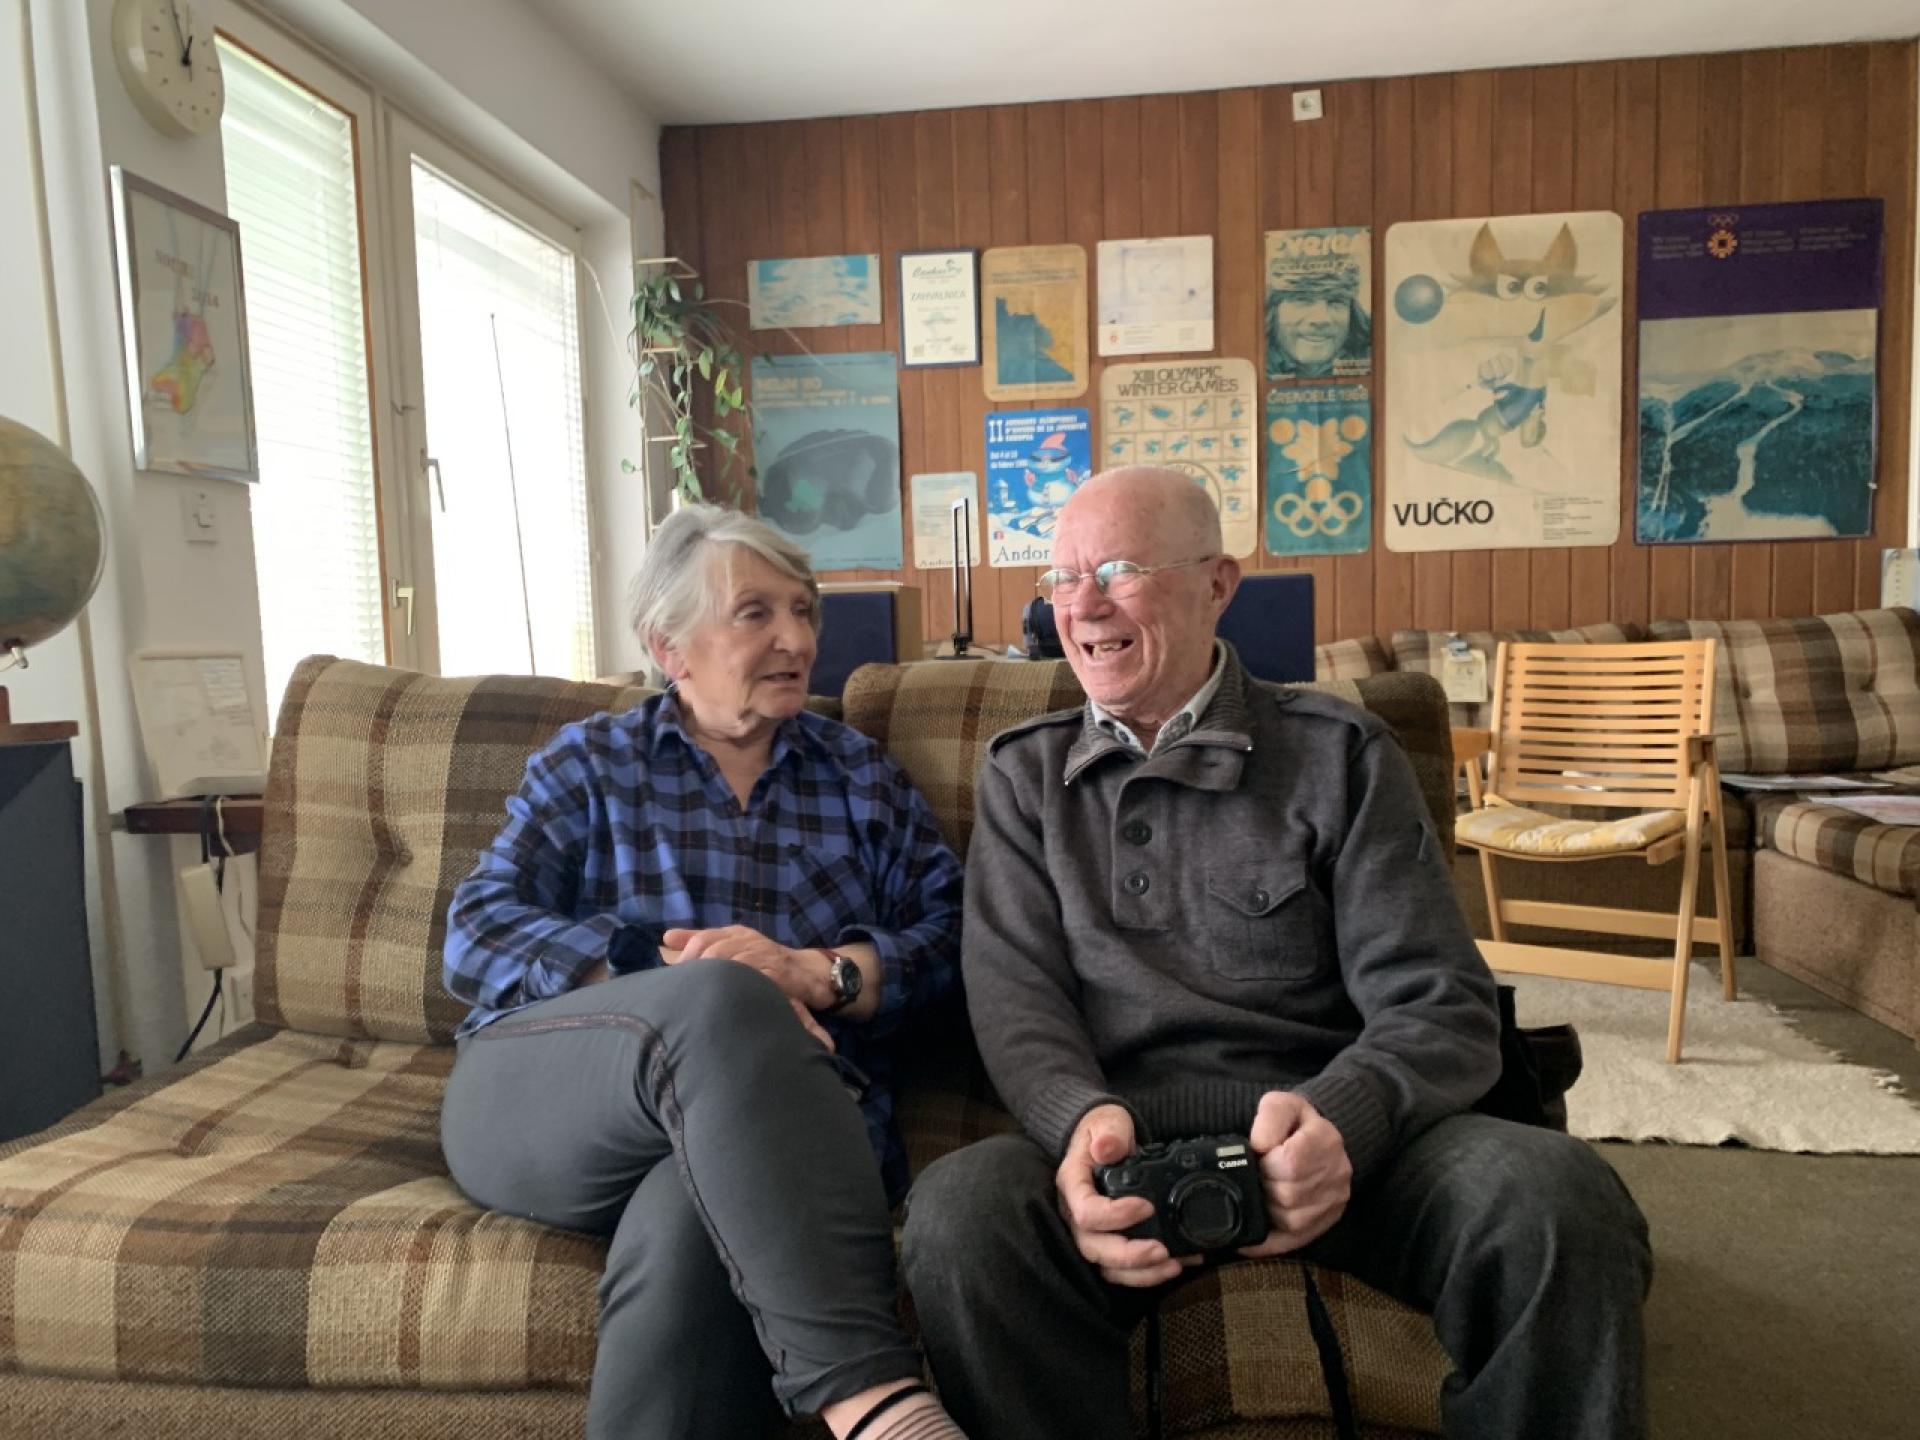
(1800,782)
(1881,809)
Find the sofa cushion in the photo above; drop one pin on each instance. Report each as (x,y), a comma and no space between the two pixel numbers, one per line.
(1351,659)
(278,1214)
(1422,650)
(383,787)
(1816,692)
(936,718)
(1886,857)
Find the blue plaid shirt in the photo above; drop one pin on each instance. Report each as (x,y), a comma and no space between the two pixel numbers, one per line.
(624,828)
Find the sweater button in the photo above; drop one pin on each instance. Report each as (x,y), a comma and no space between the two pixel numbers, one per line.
(1136,883)
(1136,832)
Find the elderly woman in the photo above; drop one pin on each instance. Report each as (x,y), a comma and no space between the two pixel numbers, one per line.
(685,952)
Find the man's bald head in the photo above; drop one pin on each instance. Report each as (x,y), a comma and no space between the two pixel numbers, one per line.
(1164,508)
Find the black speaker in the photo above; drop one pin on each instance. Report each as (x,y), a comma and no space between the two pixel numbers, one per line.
(857,627)
(1269,622)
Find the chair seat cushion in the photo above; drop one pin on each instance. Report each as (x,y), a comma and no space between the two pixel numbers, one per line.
(1516,830)
(1886,857)
(280,1216)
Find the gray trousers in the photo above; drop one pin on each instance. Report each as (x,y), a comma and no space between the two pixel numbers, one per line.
(683,1113)
(1522,1244)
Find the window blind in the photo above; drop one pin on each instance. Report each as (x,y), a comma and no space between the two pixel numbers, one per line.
(500,357)
(291,184)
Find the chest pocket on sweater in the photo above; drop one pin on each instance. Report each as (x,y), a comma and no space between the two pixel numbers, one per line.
(1261,922)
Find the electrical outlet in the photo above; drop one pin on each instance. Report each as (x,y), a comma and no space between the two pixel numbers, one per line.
(198,518)
(1306,105)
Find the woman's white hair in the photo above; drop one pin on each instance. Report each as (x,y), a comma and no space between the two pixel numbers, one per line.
(682,582)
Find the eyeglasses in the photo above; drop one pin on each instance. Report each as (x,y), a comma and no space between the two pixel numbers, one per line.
(1117,578)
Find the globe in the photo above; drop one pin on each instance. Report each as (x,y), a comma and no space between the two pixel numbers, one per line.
(52,539)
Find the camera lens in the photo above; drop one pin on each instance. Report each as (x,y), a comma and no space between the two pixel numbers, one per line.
(1206,1209)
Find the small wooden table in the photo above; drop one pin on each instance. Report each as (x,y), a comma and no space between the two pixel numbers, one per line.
(241,815)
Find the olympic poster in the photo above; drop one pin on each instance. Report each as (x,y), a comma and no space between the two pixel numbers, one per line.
(827,444)
(1319,470)
(1503,382)
(1319,288)
(1036,459)
(1758,330)
(1196,416)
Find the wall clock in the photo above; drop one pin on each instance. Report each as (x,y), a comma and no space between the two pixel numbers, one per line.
(171,67)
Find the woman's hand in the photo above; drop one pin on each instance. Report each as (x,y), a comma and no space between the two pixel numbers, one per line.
(802,975)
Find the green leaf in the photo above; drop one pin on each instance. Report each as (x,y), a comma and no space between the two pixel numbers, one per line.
(673,287)
(730,440)
(648,364)
(627,467)
(706,364)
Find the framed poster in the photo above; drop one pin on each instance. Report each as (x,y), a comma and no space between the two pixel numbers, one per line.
(1503,378)
(826,442)
(1033,312)
(1156,296)
(934,498)
(939,308)
(821,290)
(183,321)
(1196,416)
(1036,459)
(1319,288)
(1319,469)
(1759,327)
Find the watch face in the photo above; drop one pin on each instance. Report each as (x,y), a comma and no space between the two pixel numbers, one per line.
(845,978)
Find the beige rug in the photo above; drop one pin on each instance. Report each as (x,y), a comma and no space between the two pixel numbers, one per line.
(1747,1075)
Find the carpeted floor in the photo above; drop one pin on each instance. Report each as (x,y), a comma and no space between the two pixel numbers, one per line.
(1786,1298)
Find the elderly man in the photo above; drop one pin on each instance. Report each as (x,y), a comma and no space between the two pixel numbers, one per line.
(1200,906)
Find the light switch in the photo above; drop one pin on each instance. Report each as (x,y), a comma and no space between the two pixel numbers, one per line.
(198,517)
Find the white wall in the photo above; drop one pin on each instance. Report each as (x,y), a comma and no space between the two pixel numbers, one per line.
(570,137)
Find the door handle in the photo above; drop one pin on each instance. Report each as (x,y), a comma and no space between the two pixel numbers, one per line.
(439,484)
(403,595)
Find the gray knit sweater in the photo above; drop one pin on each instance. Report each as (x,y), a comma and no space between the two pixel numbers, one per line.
(1261,905)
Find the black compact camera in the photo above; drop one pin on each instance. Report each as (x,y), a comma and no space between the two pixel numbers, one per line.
(1205,1193)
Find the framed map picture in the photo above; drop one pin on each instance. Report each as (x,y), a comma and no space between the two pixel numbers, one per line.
(1033,312)
(183,321)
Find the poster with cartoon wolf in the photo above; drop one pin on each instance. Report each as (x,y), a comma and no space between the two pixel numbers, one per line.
(1503,382)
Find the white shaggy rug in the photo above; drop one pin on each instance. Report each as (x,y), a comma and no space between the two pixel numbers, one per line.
(1745,1074)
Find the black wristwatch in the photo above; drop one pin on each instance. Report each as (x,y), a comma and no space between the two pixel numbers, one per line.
(845,978)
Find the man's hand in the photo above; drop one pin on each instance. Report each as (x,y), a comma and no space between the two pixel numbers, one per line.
(803,975)
(1104,1136)
(1304,1172)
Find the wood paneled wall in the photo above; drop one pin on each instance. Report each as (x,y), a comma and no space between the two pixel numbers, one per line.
(1628,136)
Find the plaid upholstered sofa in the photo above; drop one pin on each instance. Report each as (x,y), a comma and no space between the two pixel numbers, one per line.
(265,1241)
(1818,891)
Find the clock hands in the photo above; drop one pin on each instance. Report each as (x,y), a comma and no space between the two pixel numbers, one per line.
(186,44)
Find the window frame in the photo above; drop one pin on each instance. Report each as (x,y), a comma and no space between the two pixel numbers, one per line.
(303,65)
(403,138)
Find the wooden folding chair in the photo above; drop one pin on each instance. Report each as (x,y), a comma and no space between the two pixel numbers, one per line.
(1617,728)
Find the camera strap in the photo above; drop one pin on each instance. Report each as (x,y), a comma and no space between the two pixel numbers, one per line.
(1333,1365)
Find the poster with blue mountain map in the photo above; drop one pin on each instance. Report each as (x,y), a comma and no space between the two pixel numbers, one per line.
(1033,320)
(1758,328)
